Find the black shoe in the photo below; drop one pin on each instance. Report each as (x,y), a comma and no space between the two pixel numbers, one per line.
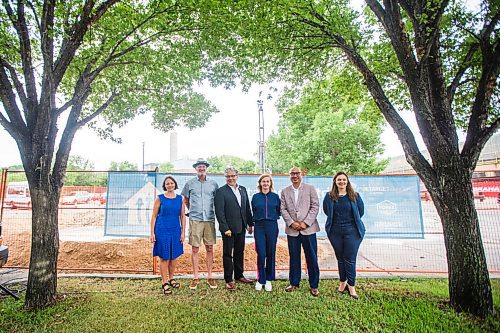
(244,280)
(353,296)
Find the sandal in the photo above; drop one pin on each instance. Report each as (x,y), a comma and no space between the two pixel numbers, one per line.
(174,284)
(166,289)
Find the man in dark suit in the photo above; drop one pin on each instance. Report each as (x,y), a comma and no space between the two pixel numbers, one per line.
(232,209)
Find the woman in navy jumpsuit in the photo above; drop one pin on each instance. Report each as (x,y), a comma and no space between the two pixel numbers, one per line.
(345,230)
(266,212)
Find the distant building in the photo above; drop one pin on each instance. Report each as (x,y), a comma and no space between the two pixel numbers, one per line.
(487,166)
(184,165)
(151,166)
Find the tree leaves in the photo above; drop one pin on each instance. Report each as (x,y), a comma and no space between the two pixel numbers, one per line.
(332,126)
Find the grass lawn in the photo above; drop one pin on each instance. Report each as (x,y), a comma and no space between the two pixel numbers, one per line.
(119,305)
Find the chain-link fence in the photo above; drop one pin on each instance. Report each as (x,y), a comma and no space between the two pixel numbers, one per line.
(88,208)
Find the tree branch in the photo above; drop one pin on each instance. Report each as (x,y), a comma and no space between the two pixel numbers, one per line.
(391,20)
(66,105)
(17,83)
(406,137)
(413,155)
(9,128)
(434,27)
(64,148)
(19,23)
(35,15)
(9,102)
(474,144)
(47,48)
(478,132)
(77,32)
(101,109)
(455,83)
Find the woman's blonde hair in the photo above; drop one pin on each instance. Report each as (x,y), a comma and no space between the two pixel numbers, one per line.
(334,192)
(259,187)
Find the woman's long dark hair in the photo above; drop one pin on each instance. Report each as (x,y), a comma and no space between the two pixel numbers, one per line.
(334,192)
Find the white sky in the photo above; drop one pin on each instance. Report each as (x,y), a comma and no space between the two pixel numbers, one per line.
(232,131)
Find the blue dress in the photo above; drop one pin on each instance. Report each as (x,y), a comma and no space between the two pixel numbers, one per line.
(168,228)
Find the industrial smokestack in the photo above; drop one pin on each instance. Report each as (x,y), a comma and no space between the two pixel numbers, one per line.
(173,146)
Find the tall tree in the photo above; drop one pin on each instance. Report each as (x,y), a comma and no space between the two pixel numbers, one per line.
(67,64)
(79,175)
(166,167)
(328,126)
(220,163)
(77,162)
(123,166)
(435,57)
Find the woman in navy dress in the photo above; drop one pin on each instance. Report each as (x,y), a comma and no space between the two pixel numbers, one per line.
(345,230)
(168,224)
(266,212)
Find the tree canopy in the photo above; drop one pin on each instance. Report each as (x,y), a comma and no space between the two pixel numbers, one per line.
(439,59)
(219,163)
(123,166)
(68,64)
(329,126)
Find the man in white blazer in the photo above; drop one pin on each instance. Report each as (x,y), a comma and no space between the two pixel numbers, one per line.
(299,208)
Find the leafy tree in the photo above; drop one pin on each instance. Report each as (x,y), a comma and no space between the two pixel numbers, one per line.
(220,163)
(17,167)
(166,167)
(76,162)
(437,58)
(332,127)
(15,176)
(77,165)
(96,63)
(123,166)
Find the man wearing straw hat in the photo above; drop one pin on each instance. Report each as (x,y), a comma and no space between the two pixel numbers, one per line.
(198,194)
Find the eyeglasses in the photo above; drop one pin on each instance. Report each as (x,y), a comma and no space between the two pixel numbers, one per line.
(231,176)
(295,173)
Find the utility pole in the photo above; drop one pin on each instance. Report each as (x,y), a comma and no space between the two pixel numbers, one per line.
(262,147)
(143,148)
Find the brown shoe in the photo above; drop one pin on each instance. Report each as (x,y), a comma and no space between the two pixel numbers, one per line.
(194,284)
(291,288)
(245,280)
(212,284)
(314,292)
(231,286)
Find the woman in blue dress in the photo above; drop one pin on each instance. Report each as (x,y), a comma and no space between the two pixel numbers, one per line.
(345,230)
(168,225)
(266,212)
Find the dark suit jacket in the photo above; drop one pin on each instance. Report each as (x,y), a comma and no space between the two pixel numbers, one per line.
(229,214)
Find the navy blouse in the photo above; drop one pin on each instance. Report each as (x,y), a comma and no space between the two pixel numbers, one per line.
(266,206)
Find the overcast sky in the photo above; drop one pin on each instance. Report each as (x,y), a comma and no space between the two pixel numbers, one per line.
(232,131)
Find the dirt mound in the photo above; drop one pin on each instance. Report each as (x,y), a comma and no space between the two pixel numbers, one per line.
(124,255)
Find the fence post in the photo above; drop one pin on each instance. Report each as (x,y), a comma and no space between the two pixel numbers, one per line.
(155,261)
(3,186)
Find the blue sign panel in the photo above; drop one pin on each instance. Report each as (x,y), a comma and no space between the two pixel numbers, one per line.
(392,203)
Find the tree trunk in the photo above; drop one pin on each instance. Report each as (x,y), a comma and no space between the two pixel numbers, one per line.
(469,283)
(42,278)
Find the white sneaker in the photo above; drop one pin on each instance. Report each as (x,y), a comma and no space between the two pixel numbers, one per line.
(258,286)
(269,286)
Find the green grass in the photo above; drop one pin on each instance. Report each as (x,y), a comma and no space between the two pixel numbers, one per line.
(115,305)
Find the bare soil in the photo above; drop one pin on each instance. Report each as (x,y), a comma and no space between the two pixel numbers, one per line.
(123,255)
